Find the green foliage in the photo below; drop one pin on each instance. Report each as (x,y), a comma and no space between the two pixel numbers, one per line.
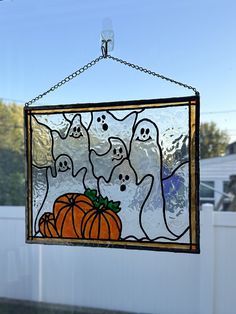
(213,141)
(92,194)
(99,201)
(12,155)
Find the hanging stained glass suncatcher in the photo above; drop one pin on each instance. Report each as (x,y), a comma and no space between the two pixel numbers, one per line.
(121,174)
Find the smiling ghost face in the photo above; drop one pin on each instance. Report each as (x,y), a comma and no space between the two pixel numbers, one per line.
(76,129)
(63,164)
(145,151)
(118,151)
(145,132)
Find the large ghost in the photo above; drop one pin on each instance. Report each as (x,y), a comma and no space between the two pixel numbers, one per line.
(146,159)
(122,186)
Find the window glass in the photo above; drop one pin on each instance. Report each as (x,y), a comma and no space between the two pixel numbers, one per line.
(207,189)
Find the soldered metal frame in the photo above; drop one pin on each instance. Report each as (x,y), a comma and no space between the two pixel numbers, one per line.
(193,104)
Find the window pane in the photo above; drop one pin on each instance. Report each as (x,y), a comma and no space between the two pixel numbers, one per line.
(207,191)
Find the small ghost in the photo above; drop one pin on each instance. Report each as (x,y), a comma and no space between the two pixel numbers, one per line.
(76,145)
(122,186)
(146,159)
(63,182)
(104,163)
(105,125)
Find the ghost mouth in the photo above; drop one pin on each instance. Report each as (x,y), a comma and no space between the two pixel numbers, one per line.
(122,187)
(105,127)
(119,158)
(143,139)
(76,136)
(63,170)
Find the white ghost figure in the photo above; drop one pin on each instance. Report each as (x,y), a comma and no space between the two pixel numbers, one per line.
(76,145)
(146,159)
(104,163)
(105,125)
(64,182)
(122,186)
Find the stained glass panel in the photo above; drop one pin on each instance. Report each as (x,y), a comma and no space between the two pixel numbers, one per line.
(114,174)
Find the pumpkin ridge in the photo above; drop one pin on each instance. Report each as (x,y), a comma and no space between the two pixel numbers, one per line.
(70,196)
(91,227)
(64,218)
(108,213)
(73,222)
(44,230)
(53,225)
(58,213)
(62,202)
(82,201)
(83,225)
(50,230)
(108,225)
(80,208)
(40,223)
(99,224)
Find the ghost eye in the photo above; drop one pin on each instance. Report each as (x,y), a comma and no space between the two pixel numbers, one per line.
(142,131)
(74,128)
(114,151)
(147,131)
(126,177)
(120,150)
(103,117)
(65,163)
(78,129)
(120,177)
(60,164)
(98,119)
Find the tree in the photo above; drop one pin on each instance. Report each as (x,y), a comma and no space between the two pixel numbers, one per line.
(213,141)
(12,184)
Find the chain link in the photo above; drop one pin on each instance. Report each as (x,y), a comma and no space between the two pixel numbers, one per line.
(65,80)
(103,56)
(139,68)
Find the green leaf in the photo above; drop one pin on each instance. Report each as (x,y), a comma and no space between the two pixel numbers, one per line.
(114,206)
(92,194)
(103,201)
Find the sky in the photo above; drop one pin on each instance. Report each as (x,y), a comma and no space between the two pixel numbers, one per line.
(193,42)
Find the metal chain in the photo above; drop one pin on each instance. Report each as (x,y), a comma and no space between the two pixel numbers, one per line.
(139,68)
(65,80)
(104,56)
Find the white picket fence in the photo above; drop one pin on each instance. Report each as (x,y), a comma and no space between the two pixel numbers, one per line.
(129,280)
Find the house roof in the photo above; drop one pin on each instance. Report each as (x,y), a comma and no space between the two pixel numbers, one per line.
(218,167)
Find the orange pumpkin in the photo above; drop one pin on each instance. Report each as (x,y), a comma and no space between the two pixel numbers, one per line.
(47,226)
(102,224)
(69,210)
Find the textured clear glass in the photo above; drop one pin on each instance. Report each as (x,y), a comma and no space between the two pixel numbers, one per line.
(114,175)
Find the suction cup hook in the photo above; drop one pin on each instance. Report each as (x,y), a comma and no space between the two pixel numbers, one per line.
(107,37)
